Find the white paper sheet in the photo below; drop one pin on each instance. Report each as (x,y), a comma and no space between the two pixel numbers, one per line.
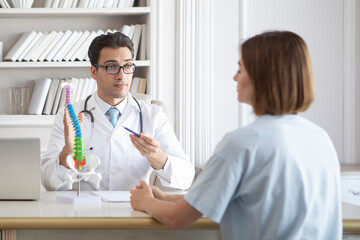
(350,191)
(113,196)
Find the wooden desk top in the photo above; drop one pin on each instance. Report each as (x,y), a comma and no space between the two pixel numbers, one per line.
(351,213)
(350,169)
(48,213)
(351,218)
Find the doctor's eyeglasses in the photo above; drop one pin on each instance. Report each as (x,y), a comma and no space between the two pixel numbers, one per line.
(115,69)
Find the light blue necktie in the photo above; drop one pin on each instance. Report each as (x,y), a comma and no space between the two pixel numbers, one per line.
(114,112)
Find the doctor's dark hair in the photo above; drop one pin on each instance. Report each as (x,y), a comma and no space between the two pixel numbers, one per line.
(111,40)
(279,66)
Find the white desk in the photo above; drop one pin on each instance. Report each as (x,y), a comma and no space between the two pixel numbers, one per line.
(33,219)
(49,217)
(351,213)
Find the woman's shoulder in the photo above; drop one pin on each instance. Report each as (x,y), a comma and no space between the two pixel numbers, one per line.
(238,140)
(265,130)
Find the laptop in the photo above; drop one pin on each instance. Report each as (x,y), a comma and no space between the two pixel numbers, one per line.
(20,168)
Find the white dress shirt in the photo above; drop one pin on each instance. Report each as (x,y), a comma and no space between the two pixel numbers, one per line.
(104,107)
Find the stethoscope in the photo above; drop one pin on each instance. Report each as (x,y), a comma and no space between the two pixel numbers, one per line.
(85,111)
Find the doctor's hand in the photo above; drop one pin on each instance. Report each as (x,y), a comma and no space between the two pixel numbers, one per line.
(150,148)
(140,196)
(69,136)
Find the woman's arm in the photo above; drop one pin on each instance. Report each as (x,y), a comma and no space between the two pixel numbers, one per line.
(175,214)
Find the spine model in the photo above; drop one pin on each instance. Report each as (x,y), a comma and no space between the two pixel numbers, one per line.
(79,145)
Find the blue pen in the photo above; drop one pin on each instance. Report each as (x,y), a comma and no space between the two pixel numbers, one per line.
(137,134)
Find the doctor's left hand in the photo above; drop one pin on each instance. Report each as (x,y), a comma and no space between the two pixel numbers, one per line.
(150,148)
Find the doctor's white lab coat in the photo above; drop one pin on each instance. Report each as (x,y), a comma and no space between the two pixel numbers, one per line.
(121,163)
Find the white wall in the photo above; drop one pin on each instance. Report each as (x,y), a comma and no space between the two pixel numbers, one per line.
(225,53)
(357,78)
(225,57)
(320,23)
(166,57)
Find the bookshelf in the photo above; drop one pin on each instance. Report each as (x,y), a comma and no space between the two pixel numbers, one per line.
(15,74)
(6,65)
(13,121)
(76,12)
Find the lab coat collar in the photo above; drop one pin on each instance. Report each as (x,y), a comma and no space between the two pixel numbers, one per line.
(97,113)
(130,108)
(131,111)
(131,117)
(132,104)
(104,106)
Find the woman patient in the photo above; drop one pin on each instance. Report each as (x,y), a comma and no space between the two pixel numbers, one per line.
(277,178)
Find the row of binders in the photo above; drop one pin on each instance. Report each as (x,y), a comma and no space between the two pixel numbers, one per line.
(17,3)
(56,46)
(49,96)
(88,3)
(70,3)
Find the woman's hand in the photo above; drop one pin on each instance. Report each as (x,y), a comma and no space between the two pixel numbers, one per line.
(158,193)
(140,196)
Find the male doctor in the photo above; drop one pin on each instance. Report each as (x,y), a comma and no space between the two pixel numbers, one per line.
(125,158)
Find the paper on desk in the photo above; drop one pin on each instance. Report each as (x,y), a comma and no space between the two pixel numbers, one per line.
(350,189)
(113,196)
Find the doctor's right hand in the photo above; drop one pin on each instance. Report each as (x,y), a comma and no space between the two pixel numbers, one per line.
(69,136)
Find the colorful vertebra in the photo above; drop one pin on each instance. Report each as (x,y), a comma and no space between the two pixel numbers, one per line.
(79,144)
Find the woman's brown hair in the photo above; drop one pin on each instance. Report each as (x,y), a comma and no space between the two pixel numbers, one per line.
(279,66)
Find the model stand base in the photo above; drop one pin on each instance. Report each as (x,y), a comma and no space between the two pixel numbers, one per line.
(84,200)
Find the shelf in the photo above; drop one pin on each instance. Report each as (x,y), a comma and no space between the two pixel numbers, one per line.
(3,65)
(7,121)
(73,12)
(19,73)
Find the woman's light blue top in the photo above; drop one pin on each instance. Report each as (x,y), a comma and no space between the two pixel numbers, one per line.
(277,178)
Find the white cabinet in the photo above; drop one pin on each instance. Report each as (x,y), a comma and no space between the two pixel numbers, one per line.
(14,22)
